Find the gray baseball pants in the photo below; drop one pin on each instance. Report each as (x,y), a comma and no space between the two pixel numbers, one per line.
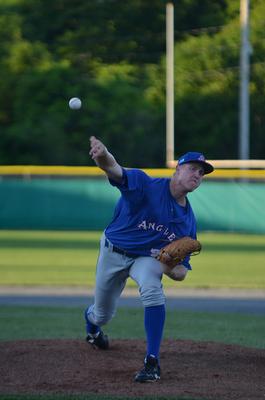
(113,270)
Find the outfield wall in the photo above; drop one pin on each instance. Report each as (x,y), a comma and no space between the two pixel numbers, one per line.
(87,204)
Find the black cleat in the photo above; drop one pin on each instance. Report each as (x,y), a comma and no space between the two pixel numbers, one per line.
(98,340)
(150,372)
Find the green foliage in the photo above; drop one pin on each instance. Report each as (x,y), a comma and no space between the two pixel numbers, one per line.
(112,55)
(206,92)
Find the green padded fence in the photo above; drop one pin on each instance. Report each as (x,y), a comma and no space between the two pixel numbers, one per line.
(88,204)
(56,204)
(230,206)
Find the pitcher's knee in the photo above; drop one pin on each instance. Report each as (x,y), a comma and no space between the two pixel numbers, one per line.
(181,275)
(152,296)
(178,273)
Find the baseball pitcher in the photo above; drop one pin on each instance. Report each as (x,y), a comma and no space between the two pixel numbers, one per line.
(152,232)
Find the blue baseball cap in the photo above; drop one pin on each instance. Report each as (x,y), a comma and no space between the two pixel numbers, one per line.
(193,156)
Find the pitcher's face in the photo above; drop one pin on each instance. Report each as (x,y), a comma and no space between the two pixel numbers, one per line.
(189,176)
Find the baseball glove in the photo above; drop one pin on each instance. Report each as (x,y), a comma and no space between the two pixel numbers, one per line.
(175,252)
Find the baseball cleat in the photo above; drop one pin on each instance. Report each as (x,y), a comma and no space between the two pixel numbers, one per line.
(98,340)
(150,372)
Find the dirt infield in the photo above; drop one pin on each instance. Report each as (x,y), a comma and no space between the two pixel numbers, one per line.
(189,369)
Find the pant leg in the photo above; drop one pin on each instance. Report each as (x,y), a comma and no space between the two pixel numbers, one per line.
(147,273)
(111,275)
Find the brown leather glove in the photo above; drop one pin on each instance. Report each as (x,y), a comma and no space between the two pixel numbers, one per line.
(175,252)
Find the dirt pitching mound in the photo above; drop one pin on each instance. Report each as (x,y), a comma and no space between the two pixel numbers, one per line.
(189,369)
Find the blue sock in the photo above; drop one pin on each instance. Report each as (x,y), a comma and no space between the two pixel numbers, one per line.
(154,319)
(90,328)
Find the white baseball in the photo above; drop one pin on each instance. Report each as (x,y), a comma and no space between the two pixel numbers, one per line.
(75,103)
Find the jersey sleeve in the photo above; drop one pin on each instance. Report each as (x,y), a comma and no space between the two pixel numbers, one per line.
(193,235)
(132,180)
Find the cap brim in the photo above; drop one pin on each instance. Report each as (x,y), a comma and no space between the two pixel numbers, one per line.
(208,168)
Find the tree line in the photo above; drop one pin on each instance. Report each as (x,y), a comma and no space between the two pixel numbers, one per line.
(111,54)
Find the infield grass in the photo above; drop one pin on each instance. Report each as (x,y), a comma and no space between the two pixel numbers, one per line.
(23,323)
(52,258)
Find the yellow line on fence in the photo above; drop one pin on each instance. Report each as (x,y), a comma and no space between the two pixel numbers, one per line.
(48,170)
(60,170)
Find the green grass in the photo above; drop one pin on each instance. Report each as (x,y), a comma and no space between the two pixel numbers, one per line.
(48,258)
(52,322)
(31,258)
(69,258)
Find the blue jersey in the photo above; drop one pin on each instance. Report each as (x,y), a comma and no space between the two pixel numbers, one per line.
(147,217)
